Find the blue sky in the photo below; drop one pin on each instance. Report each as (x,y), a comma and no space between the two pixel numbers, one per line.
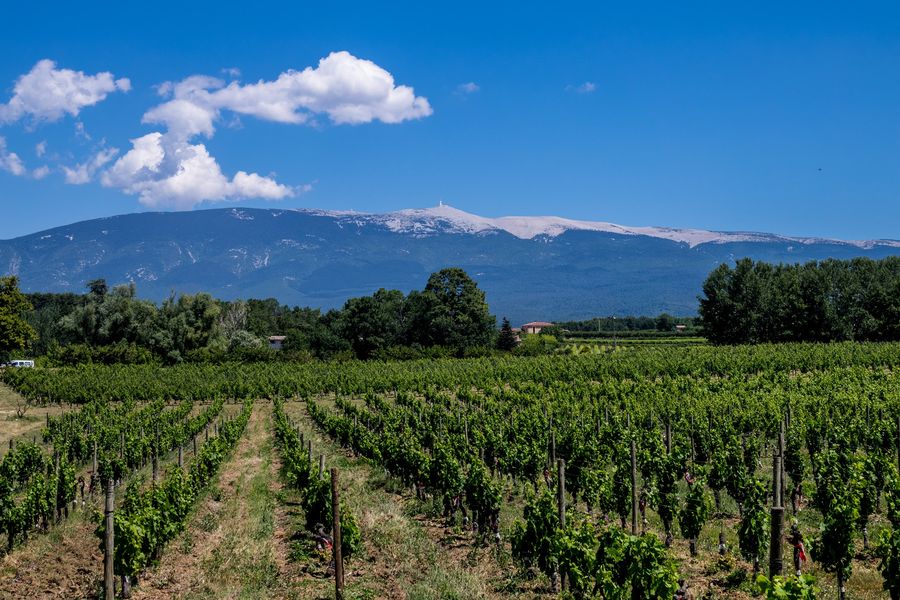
(778,117)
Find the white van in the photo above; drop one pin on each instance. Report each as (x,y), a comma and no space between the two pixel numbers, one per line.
(29,364)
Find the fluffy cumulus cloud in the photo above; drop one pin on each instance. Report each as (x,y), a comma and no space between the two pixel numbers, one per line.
(166,169)
(168,173)
(10,161)
(47,93)
(345,88)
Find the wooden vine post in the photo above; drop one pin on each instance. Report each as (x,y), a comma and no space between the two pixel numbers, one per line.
(56,474)
(109,578)
(552,442)
(776,559)
(336,546)
(155,458)
(783,478)
(561,506)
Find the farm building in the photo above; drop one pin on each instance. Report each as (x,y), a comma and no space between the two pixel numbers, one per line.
(276,341)
(535,326)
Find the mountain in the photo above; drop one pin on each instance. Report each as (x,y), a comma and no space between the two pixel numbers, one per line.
(532,268)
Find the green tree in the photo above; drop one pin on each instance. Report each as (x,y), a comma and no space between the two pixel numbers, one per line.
(187,323)
(665,322)
(507,339)
(15,332)
(829,300)
(459,317)
(48,310)
(97,288)
(374,323)
(717,309)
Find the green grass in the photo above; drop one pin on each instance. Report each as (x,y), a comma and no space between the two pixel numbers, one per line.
(242,563)
(400,556)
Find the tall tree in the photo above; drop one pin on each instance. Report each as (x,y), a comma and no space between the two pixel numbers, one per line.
(665,322)
(15,332)
(507,339)
(831,300)
(460,319)
(375,322)
(97,288)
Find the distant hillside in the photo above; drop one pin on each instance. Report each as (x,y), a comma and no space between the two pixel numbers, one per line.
(531,267)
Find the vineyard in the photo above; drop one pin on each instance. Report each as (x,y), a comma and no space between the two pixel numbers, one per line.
(647,472)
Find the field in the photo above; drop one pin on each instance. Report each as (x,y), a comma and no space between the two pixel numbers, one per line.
(448,471)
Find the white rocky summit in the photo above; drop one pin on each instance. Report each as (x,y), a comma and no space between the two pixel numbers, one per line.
(446,219)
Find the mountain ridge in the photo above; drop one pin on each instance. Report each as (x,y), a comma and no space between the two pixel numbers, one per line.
(532,268)
(529,227)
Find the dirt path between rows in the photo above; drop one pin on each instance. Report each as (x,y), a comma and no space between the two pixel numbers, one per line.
(406,556)
(233,546)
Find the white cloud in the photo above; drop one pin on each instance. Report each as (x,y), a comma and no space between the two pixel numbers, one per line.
(166,170)
(587,87)
(41,172)
(84,172)
(40,148)
(345,88)
(467,88)
(184,118)
(232,72)
(47,94)
(10,161)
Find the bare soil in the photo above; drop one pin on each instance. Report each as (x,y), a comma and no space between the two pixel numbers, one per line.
(64,563)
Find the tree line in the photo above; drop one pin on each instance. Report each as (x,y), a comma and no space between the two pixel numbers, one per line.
(819,301)
(449,317)
(664,322)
